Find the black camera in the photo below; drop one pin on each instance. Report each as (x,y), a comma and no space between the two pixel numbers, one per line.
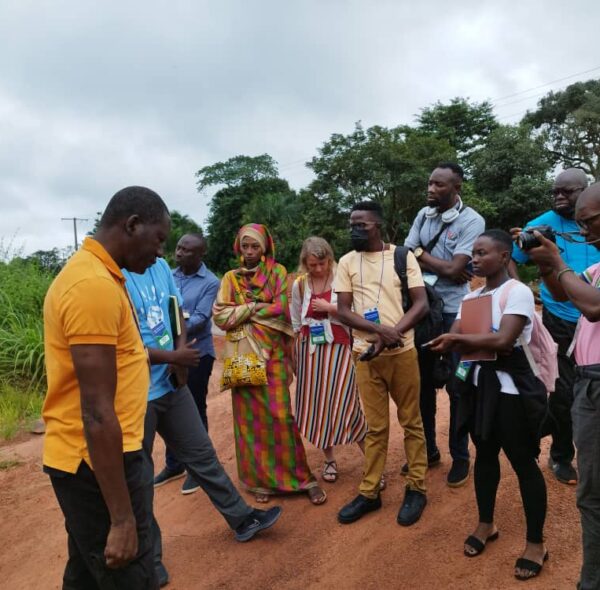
(527,241)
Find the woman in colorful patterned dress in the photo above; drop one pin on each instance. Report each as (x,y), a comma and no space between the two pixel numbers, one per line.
(328,409)
(270,455)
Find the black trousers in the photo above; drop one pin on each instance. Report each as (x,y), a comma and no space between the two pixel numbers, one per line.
(561,400)
(87,521)
(511,434)
(197,383)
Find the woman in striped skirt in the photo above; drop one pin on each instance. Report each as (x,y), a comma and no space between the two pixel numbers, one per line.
(328,410)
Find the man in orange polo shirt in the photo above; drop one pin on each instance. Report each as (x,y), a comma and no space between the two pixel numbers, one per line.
(98,378)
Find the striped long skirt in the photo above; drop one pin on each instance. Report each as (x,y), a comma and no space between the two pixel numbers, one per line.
(270,453)
(328,409)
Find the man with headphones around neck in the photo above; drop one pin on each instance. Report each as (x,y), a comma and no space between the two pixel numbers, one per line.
(442,237)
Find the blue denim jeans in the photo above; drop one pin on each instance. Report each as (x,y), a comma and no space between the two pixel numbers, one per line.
(459,446)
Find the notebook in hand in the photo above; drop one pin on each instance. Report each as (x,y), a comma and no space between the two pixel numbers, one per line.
(476,318)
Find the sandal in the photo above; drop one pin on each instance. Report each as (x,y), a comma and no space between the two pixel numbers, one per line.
(477,544)
(382,483)
(261,497)
(316,495)
(329,473)
(532,568)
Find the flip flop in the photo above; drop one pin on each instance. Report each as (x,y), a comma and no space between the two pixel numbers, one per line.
(316,495)
(532,567)
(478,544)
(329,473)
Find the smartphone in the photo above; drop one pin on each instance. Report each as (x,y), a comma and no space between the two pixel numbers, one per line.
(426,345)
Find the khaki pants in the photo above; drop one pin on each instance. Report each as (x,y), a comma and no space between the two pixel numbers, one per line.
(398,376)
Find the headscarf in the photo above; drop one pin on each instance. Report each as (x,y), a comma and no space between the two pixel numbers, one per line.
(257,232)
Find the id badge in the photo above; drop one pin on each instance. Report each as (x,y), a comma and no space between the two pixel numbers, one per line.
(372,315)
(161,335)
(463,370)
(317,333)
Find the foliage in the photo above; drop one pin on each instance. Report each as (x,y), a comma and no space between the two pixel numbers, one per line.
(180,225)
(511,173)
(237,171)
(570,123)
(19,406)
(50,261)
(390,166)
(23,286)
(465,126)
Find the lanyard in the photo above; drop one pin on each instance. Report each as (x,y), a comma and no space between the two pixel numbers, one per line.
(140,292)
(362,291)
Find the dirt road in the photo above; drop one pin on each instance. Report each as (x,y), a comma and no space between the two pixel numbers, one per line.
(307,548)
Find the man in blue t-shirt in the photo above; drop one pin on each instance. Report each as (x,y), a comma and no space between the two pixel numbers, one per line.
(172,412)
(198,287)
(442,237)
(560,317)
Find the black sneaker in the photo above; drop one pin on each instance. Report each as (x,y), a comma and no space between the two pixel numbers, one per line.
(564,472)
(162,574)
(166,475)
(356,509)
(412,507)
(459,473)
(189,485)
(432,461)
(258,520)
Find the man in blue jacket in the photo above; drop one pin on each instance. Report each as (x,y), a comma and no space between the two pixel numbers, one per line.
(560,317)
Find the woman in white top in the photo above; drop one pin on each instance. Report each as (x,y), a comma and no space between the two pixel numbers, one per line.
(502,403)
(328,410)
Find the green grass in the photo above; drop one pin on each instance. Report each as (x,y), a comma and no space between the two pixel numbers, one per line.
(19,407)
(9,464)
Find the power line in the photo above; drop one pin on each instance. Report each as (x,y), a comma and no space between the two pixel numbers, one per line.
(74,220)
(546,84)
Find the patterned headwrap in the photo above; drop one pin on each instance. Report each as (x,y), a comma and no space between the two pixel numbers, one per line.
(257,232)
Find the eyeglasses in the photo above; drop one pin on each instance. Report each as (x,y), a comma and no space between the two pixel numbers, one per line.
(567,192)
(585,223)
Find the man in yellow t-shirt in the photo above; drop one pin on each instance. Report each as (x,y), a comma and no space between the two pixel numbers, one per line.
(98,378)
(370,302)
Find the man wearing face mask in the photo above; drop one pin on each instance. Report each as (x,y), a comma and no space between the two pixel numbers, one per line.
(442,237)
(560,317)
(370,302)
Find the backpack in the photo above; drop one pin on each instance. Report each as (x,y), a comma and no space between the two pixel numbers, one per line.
(542,351)
(432,325)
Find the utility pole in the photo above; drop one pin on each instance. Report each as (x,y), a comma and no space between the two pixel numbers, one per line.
(74,220)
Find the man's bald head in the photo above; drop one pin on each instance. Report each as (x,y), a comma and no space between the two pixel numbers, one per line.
(590,196)
(566,190)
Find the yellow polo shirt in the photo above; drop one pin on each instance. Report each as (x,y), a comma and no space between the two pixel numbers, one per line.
(87,304)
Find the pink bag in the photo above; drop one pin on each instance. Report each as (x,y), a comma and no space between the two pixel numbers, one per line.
(542,351)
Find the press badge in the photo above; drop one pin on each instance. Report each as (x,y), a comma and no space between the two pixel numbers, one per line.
(463,369)
(372,315)
(161,335)
(317,333)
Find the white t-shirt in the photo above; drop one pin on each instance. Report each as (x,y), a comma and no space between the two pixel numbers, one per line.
(519,302)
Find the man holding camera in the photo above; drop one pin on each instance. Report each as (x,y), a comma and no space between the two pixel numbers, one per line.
(583,291)
(442,237)
(560,317)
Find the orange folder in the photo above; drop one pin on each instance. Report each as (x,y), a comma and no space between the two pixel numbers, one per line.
(476,318)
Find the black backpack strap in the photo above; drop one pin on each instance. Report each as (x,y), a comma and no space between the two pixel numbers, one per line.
(400,255)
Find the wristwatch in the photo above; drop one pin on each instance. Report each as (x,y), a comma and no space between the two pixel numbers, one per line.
(418,252)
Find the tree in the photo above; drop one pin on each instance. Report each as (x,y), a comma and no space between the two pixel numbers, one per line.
(237,171)
(570,123)
(390,166)
(465,126)
(511,173)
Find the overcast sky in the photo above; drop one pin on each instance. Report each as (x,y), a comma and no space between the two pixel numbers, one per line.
(95,96)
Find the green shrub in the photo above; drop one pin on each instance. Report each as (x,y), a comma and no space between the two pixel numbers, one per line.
(19,406)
